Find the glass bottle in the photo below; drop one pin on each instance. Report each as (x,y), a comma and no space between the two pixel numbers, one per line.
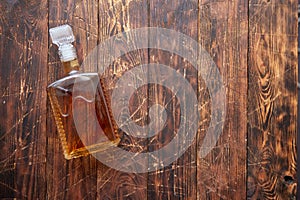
(84,121)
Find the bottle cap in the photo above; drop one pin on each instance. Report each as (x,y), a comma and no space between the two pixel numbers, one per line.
(63,37)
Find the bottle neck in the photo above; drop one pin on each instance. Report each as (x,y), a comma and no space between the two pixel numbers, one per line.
(71,66)
(68,57)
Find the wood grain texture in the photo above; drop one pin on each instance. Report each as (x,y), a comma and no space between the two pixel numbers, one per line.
(223,29)
(252,42)
(77,178)
(178,180)
(116,17)
(23,53)
(298,107)
(272,100)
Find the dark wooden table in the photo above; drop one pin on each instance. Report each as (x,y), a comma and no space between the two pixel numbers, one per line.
(254,45)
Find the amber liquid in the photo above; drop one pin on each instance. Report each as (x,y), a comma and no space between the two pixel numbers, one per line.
(82,115)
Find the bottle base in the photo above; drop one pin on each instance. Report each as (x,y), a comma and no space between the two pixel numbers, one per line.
(84,151)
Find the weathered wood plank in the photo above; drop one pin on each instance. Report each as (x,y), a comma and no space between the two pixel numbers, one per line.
(77,178)
(116,17)
(178,180)
(298,107)
(272,100)
(23,55)
(260,86)
(223,33)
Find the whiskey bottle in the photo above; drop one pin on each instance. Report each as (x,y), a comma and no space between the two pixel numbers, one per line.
(84,121)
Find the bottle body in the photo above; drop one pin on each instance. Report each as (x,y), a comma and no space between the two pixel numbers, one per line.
(82,115)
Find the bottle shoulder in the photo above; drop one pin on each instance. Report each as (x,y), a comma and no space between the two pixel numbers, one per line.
(75,78)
